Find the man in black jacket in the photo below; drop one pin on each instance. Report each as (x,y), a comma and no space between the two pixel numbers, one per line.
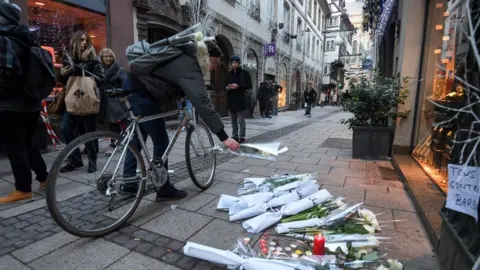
(18,113)
(264,93)
(238,82)
(309,95)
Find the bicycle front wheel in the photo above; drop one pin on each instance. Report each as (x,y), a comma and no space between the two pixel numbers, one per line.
(200,158)
(94,200)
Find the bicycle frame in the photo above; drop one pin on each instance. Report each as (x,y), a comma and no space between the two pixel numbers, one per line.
(134,128)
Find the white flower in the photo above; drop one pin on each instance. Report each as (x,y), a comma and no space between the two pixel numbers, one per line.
(395,265)
(369,217)
(370,229)
(359,253)
(198,36)
(381,267)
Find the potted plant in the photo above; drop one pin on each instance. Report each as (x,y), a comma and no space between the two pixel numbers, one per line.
(295,102)
(374,103)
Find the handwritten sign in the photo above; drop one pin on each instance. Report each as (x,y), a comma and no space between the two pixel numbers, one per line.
(463,189)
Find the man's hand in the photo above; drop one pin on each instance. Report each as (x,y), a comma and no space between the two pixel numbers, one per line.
(234,86)
(231,144)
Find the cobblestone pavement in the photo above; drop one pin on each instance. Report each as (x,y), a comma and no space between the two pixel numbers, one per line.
(154,236)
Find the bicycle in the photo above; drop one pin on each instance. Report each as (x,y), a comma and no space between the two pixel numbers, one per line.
(107,186)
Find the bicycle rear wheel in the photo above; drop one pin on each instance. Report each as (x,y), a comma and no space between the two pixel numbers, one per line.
(91,204)
(200,158)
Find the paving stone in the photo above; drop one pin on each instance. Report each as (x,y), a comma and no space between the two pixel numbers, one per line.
(23,208)
(82,254)
(9,221)
(347,172)
(283,165)
(162,241)
(42,247)
(330,180)
(255,162)
(6,229)
(296,154)
(211,210)
(408,223)
(334,163)
(397,200)
(305,160)
(203,265)
(121,239)
(186,262)
(21,224)
(32,227)
(197,202)
(232,167)
(171,257)
(223,188)
(220,234)
(177,224)
(175,245)
(43,235)
(138,261)
(231,177)
(131,243)
(350,195)
(144,248)
(157,252)
(5,250)
(307,168)
(259,171)
(8,262)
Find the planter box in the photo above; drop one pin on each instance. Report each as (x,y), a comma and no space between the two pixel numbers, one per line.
(294,106)
(372,142)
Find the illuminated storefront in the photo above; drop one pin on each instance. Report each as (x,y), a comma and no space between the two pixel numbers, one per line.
(445,58)
(54,22)
(282,97)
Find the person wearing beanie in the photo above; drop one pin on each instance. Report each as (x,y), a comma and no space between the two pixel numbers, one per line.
(18,113)
(238,82)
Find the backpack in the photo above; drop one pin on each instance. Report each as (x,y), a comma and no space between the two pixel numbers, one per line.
(40,72)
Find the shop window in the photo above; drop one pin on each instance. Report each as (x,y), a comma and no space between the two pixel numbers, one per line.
(54,23)
(445,58)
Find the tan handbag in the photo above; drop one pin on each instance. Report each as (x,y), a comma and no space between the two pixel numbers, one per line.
(82,98)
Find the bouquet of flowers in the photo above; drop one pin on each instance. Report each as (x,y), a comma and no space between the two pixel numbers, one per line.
(273,183)
(267,151)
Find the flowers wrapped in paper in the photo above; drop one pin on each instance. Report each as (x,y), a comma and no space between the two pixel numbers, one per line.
(265,220)
(267,151)
(242,259)
(308,188)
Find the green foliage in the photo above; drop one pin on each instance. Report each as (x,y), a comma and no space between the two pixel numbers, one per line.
(374,101)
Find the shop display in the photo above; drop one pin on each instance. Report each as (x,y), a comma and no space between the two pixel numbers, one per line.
(434,151)
(318,231)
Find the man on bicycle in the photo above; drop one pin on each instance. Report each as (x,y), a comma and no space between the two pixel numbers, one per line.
(186,73)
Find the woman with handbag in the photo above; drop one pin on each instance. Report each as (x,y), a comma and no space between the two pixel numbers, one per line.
(81,73)
(112,111)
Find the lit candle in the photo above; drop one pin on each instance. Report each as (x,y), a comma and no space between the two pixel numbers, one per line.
(319,245)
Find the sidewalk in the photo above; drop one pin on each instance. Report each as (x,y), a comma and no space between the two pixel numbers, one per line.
(156,233)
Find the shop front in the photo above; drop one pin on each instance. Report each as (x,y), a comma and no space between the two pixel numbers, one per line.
(282,97)
(442,124)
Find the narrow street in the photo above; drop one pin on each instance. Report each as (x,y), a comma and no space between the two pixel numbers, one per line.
(29,238)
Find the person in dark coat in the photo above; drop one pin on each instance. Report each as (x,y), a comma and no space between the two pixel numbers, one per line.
(18,113)
(264,99)
(114,77)
(238,82)
(309,95)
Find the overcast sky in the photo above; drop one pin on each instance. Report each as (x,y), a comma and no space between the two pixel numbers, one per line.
(353,6)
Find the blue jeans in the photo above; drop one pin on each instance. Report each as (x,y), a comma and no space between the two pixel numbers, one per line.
(308,110)
(156,129)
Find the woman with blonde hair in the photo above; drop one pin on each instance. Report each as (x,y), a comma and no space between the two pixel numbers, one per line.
(83,62)
(111,109)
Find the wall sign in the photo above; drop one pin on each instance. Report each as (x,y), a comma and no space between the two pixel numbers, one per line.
(463,189)
(270,49)
(94,5)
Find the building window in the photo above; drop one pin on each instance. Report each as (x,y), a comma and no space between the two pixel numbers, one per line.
(325,70)
(286,17)
(315,12)
(355,47)
(301,2)
(310,8)
(332,22)
(253,8)
(319,51)
(272,11)
(308,42)
(330,45)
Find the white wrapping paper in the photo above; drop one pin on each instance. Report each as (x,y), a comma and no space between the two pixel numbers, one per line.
(236,204)
(232,260)
(309,188)
(265,220)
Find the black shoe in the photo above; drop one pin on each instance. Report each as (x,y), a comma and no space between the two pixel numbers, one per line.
(70,167)
(170,193)
(242,141)
(268,116)
(129,189)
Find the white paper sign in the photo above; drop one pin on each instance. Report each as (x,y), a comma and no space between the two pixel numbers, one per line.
(463,189)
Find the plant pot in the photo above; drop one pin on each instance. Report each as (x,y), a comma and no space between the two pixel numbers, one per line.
(294,106)
(372,142)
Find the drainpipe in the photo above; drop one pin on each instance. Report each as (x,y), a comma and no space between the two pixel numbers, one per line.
(417,95)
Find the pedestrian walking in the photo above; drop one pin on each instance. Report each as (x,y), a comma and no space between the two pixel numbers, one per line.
(263,96)
(238,82)
(309,96)
(19,112)
(112,111)
(322,98)
(81,62)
